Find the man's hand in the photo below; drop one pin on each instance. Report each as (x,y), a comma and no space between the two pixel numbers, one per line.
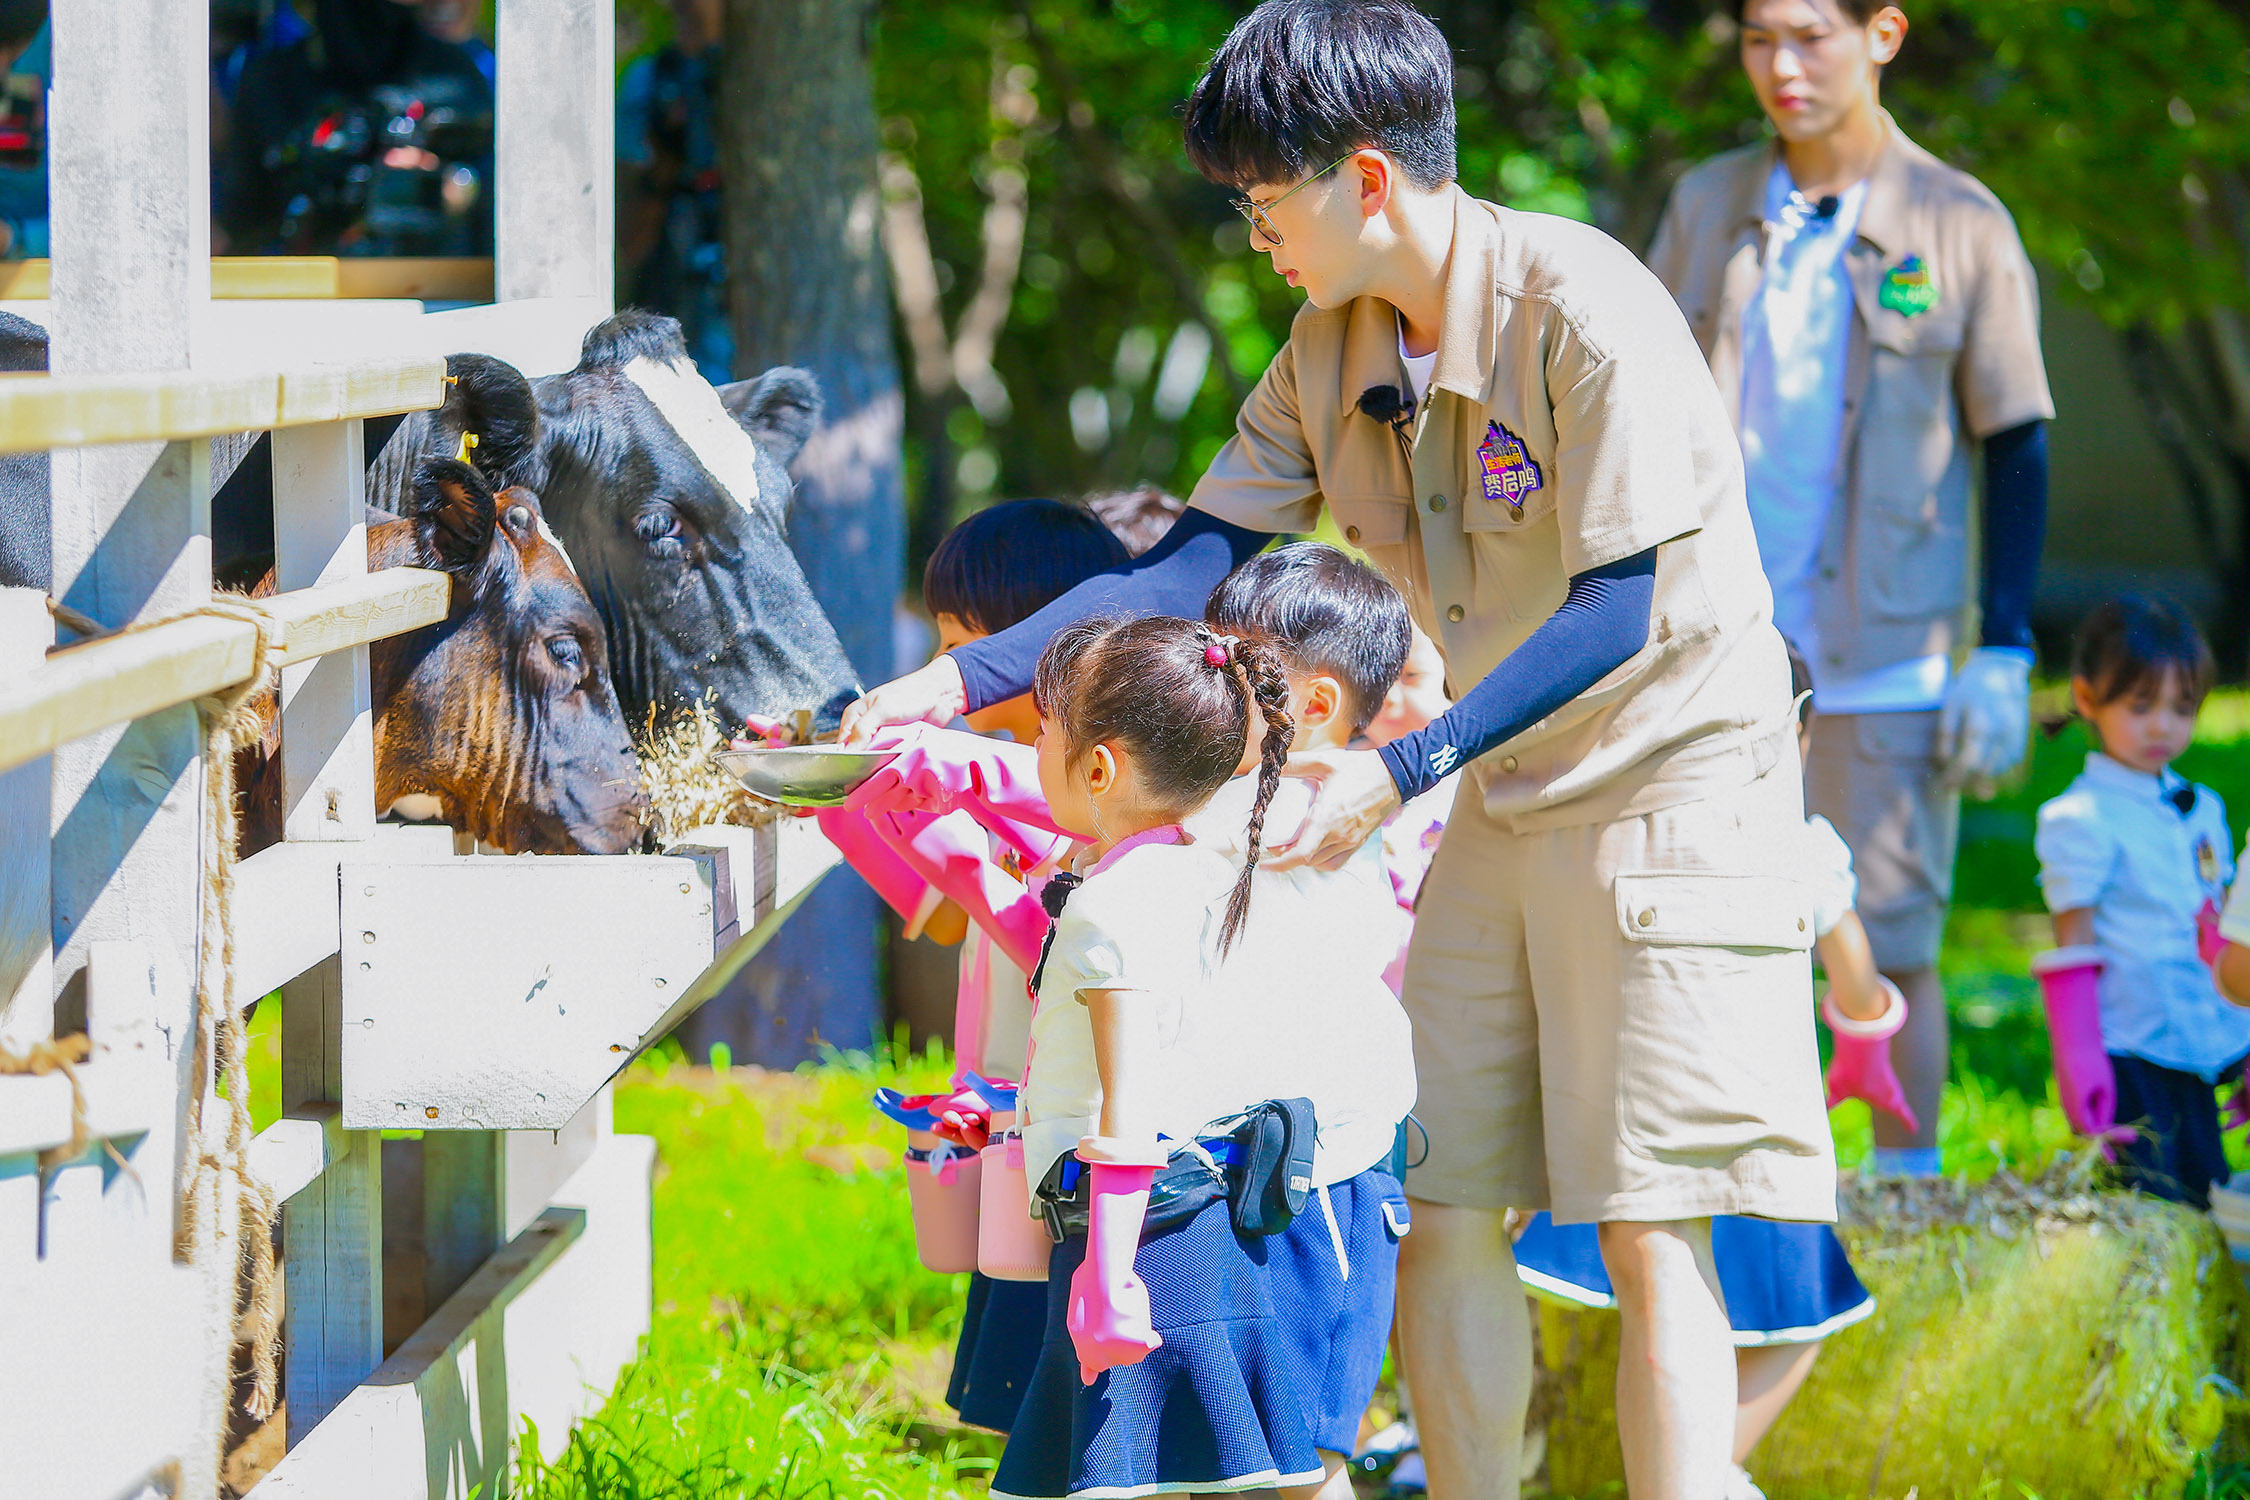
(1984,725)
(933,695)
(1353,794)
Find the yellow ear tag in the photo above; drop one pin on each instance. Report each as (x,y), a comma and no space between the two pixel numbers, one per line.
(468,441)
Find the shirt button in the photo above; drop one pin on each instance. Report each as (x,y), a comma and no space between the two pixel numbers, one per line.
(1456,614)
(1508,764)
(1647,918)
(1351,533)
(1828,575)
(1437,503)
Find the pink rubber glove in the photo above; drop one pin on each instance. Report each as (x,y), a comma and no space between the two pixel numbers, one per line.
(876,861)
(2070,987)
(1109,1313)
(1861,1065)
(953,853)
(942,770)
(2209,944)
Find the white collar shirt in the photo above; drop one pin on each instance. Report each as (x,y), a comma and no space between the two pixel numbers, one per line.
(2118,841)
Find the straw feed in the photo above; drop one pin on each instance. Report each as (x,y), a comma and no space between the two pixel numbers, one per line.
(686,788)
(2037,1338)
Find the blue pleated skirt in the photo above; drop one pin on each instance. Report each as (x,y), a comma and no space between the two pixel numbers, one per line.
(1002,1329)
(1784,1283)
(1213,1410)
(1335,1279)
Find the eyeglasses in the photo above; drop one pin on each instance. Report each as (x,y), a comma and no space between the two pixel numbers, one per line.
(1257,213)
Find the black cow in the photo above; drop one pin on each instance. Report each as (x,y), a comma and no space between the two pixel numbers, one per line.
(672,498)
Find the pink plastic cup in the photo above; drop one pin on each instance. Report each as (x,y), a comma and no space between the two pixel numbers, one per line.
(944,1186)
(1011,1245)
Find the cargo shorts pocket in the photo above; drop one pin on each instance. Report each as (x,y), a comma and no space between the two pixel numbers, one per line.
(1716,1054)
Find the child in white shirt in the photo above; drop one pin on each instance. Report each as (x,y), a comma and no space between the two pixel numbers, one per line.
(2132,857)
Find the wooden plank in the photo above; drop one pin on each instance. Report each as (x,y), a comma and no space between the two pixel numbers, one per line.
(285,900)
(57,411)
(249,278)
(464,1207)
(27,973)
(90,687)
(320,539)
(554,176)
(540,1331)
(332,1228)
(448,1028)
(291,1154)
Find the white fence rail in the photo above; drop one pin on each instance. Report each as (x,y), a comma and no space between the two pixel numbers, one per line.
(519,1282)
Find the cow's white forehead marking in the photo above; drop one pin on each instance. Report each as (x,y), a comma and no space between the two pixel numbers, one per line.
(692,409)
(556,543)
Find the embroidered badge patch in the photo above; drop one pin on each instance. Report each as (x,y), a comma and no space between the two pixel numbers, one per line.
(1908,288)
(2206,861)
(1509,472)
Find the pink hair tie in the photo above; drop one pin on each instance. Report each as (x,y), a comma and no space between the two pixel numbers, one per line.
(1215,654)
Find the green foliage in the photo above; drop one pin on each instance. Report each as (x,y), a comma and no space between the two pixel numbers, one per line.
(2113,129)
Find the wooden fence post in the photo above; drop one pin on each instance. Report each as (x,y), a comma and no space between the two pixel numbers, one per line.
(129,182)
(333,1229)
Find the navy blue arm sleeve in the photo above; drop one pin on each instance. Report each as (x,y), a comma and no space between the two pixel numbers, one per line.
(1602,621)
(2015,529)
(1174,577)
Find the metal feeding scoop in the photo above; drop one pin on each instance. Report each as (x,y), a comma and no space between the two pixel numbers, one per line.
(803,775)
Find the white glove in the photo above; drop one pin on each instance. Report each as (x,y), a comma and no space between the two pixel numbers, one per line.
(1984,725)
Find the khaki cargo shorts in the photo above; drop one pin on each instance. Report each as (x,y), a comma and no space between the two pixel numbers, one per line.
(1614,1020)
(1876,777)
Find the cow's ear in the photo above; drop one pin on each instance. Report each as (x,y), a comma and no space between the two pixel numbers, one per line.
(452,513)
(779,408)
(489,398)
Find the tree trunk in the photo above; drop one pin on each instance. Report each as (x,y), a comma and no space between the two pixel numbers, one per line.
(806,287)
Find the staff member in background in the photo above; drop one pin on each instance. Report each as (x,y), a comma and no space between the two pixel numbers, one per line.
(1607,978)
(1872,319)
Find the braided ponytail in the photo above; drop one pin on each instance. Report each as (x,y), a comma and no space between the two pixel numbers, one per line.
(1269,694)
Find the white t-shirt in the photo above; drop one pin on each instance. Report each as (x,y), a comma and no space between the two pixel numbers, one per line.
(1828,875)
(2117,841)
(1418,366)
(1303,992)
(1796,340)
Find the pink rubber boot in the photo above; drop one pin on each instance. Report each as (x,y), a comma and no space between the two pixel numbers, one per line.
(1109,1313)
(2070,987)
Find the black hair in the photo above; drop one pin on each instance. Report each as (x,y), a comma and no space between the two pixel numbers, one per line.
(1007,560)
(1178,697)
(1324,611)
(1299,83)
(1800,682)
(1858,12)
(2130,643)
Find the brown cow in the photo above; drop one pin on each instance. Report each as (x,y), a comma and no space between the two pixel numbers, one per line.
(503,714)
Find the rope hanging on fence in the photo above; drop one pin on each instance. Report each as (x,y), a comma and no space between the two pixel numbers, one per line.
(59,1056)
(219,1180)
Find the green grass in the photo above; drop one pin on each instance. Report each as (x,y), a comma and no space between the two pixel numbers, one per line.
(795,1334)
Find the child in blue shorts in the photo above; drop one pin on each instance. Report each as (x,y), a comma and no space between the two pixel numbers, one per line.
(1341,633)
(998,566)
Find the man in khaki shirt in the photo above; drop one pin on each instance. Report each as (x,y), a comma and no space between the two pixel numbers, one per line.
(1609,979)
(1871,319)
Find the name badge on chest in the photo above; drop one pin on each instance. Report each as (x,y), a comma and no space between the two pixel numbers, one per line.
(2206,861)
(1509,472)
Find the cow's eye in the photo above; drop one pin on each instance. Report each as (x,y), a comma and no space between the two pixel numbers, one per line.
(659,531)
(567,654)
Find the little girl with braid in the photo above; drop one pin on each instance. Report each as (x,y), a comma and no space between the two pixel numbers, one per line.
(1166,1361)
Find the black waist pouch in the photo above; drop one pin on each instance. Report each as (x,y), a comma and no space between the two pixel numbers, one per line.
(1270,1174)
(1184,1188)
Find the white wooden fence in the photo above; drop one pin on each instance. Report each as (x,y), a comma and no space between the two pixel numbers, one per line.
(403,969)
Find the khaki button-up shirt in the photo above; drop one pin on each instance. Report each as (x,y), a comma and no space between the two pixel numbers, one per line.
(1570,423)
(1944,350)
